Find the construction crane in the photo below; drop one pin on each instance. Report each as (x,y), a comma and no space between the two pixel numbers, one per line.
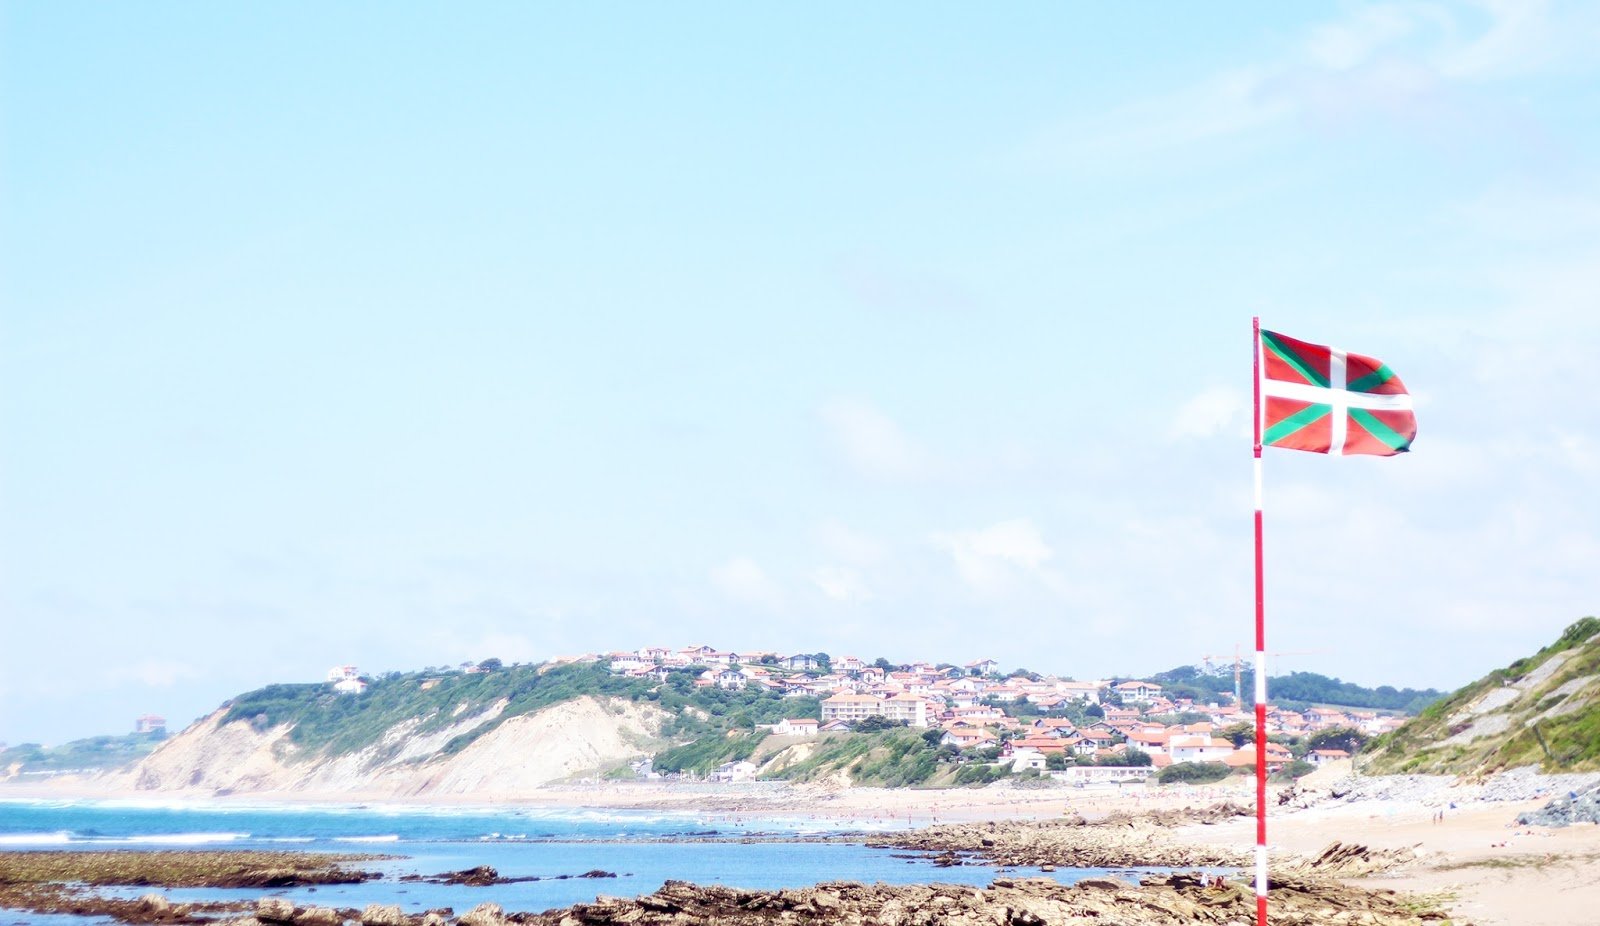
(1238,666)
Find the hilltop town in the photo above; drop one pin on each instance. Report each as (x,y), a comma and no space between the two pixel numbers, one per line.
(1030,721)
(705,713)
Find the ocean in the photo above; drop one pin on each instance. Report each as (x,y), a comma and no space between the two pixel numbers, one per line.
(644,849)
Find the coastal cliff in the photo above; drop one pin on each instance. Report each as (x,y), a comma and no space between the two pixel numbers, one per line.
(522,752)
(1541,710)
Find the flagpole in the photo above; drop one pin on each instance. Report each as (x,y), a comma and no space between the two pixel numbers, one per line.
(1261,644)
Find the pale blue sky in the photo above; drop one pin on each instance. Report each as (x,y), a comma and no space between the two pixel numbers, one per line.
(406,334)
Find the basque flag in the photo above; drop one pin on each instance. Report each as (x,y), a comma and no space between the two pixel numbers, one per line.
(1324,400)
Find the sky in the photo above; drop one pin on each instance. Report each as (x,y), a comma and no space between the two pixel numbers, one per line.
(405,334)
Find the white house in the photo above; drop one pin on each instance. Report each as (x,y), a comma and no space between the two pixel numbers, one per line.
(1319,756)
(1086,691)
(1198,748)
(734,771)
(347,680)
(796,727)
(1093,774)
(854,708)
(1027,758)
(1139,691)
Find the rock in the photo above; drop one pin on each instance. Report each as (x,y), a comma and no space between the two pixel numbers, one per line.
(383,915)
(155,906)
(274,910)
(486,914)
(318,916)
(482,876)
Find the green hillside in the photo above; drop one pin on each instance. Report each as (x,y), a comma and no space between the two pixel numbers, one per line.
(86,755)
(1541,710)
(326,723)
(1295,691)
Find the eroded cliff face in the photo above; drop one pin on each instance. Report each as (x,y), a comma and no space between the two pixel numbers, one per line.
(521,753)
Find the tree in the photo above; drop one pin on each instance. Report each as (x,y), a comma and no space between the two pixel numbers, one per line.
(1095,711)
(883,664)
(1239,734)
(824,662)
(878,722)
(769,660)
(932,737)
(1057,761)
(1347,738)
(491,664)
(1136,757)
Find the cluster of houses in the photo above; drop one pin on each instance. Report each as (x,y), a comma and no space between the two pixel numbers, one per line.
(970,703)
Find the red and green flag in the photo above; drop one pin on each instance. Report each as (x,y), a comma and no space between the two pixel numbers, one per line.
(1325,400)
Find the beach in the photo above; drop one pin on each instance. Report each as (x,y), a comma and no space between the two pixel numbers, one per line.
(1451,844)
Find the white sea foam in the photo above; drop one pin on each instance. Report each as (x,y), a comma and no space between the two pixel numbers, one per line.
(182,839)
(389,838)
(36,839)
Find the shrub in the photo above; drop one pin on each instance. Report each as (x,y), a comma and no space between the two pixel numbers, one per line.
(1193,773)
(980,774)
(1294,770)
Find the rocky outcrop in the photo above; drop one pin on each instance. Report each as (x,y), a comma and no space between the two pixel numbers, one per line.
(1573,807)
(1309,894)
(1163,901)
(1168,901)
(1119,842)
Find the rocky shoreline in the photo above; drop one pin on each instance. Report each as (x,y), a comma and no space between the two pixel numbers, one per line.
(1306,890)
(1118,841)
(62,882)
(1165,901)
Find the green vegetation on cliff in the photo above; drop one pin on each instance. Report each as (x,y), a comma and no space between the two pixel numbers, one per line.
(1541,710)
(85,755)
(890,758)
(326,722)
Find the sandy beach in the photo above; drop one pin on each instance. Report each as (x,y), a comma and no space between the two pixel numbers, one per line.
(1493,872)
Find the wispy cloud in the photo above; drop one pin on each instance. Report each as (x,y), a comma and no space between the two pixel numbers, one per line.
(1213,411)
(841,583)
(873,442)
(989,558)
(153,673)
(1396,59)
(744,581)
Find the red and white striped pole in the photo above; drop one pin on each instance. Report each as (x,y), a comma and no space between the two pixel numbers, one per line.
(1261,647)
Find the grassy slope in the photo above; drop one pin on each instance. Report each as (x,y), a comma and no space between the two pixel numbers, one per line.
(91,754)
(1571,740)
(326,723)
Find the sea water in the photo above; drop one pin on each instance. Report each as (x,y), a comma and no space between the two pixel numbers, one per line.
(643,849)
